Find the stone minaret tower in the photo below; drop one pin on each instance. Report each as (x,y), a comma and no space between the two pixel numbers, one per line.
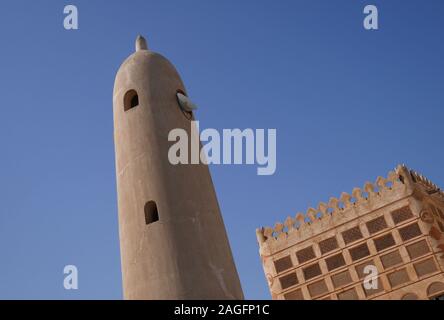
(172,237)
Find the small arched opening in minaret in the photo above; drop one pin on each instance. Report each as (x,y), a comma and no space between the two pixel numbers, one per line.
(151,213)
(130,100)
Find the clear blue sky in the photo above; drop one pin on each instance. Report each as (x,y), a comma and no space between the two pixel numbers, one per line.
(348,105)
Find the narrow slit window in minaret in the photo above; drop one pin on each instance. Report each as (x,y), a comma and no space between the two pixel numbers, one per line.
(151,213)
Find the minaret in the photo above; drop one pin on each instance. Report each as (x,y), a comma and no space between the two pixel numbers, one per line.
(172,237)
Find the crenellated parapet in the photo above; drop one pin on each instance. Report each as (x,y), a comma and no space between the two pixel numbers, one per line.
(348,206)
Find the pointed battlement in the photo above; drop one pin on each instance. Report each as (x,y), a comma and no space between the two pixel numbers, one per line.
(348,206)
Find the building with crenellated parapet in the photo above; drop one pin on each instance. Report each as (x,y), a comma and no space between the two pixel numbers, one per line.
(385,241)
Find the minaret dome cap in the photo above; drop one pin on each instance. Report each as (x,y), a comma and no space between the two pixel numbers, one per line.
(141,43)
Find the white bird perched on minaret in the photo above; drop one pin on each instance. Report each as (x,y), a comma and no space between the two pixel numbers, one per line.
(185,103)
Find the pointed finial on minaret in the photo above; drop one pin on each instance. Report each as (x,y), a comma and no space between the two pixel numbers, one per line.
(141,43)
